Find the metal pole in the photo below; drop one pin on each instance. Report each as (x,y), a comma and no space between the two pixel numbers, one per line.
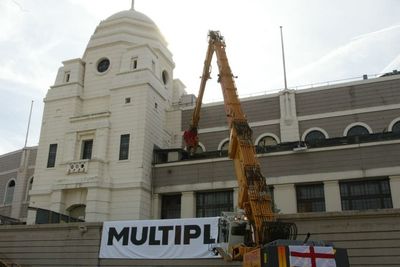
(283,57)
(29,123)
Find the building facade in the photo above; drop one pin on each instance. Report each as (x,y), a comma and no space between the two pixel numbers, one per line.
(16,179)
(111,139)
(111,149)
(102,119)
(326,149)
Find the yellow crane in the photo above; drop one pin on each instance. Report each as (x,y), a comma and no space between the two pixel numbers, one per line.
(254,197)
(257,238)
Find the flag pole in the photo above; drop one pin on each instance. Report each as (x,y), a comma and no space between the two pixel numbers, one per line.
(283,59)
(29,123)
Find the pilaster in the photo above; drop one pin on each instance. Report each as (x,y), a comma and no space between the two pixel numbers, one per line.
(97,205)
(188,204)
(235,198)
(285,198)
(57,201)
(156,207)
(289,124)
(332,196)
(101,144)
(395,190)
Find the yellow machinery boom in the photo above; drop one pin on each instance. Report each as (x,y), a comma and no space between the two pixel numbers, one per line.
(267,234)
(254,197)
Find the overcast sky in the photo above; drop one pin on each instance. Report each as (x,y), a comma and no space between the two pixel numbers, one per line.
(325,40)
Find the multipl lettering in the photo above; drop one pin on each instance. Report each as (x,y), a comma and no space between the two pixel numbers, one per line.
(149,235)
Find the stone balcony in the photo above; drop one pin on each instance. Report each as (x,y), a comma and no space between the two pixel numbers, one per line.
(80,166)
(85,167)
(81,173)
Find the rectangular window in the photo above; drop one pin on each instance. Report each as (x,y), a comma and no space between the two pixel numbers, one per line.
(51,160)
(67,76)
(209,204)
(134,61)
(9,193)
(87,146)
(366,194)
(171,206)
(310,198)
(124,147)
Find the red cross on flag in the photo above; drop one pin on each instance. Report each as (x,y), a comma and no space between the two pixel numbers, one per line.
(310,256)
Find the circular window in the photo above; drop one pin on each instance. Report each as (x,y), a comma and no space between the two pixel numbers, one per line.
(103,65)
(314,135)
(165,78)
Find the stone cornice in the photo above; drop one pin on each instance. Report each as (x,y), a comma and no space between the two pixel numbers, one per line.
(92,116)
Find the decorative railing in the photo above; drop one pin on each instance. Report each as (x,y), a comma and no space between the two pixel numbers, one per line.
(80,166)
(162,155)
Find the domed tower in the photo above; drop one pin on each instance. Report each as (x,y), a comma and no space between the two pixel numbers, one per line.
(102,119)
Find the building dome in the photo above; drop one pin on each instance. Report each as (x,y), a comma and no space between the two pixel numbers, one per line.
(128,26)
(131,14)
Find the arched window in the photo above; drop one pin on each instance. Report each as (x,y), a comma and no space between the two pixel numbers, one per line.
(396,127)
(314,136)
(28,188)
(267,141)
(200,148)
(9,192)
(77,211)
(165,77)
(223,145)
(357,130)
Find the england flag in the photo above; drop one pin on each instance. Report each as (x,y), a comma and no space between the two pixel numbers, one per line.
(310,256)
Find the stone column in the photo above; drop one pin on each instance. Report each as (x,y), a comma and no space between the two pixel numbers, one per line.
(332,196)
(285,198)
(188,204)
(395,190)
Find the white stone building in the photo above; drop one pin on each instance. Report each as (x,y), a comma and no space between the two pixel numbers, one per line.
(102,119)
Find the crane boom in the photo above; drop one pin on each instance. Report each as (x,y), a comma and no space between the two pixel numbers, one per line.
(254,197)
(266,233)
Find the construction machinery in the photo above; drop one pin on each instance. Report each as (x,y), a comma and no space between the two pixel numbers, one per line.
(244,235)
